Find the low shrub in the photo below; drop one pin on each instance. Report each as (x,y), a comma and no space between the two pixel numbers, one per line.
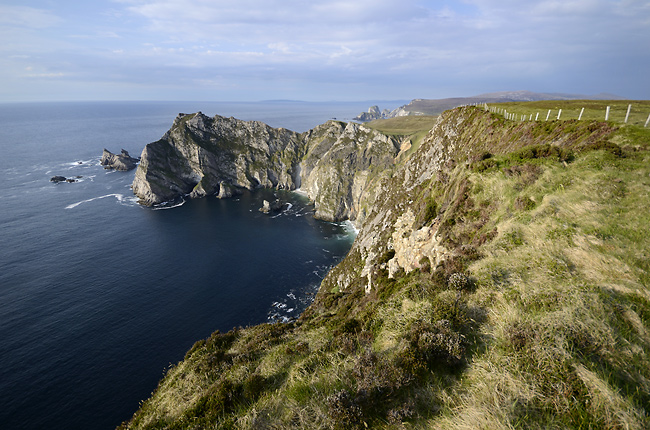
(458,281)
(344,411)
(523,203)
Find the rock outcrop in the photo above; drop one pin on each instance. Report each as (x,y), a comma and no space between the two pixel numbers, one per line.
(200,156)
(341,163)
(274,206)
(373,114)
(122,161)
(56,179)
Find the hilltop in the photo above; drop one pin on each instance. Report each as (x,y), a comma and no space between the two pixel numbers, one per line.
(500,279)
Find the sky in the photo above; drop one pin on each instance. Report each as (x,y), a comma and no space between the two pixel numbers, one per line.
(325,50)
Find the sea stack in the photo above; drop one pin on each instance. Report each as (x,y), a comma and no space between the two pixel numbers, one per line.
(122,161)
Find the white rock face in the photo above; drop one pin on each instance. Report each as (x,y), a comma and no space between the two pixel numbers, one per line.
(411,246)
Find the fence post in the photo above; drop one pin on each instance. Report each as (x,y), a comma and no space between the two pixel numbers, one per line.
(627,115)
(559,113)
(536,116)
(581,112)
(548,114)
(646,122)
(607,113)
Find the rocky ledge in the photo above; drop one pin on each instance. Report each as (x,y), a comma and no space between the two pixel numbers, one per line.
(122,161)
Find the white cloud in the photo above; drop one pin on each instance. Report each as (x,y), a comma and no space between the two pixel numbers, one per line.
(371,45)
(25,16)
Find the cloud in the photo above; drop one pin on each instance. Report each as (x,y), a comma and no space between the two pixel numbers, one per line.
(25,16)
(382,48)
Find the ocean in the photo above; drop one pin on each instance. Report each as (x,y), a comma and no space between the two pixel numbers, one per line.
(99,295)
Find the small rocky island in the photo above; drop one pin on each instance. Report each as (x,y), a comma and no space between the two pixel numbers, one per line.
(122,161)
(56,179)
(274,206)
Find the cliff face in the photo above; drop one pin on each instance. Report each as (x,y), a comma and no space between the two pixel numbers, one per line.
(497,280)
(201,156)
(342,163)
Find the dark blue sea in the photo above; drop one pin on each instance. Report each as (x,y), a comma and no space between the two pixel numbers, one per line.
(98,295)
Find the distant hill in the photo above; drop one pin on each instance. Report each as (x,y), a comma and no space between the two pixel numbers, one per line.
(437,106)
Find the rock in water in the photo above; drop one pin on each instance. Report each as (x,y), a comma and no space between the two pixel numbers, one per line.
(122,161)
(275,206)
(266,207)
(56,179)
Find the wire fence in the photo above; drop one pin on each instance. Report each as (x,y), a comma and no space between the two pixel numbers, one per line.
(556,114)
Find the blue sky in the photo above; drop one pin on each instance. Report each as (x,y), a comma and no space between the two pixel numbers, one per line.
(249,50)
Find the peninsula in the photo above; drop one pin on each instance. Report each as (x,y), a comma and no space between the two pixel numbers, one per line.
(500,277)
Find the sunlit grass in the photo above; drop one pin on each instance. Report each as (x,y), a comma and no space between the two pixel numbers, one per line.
(593,110)
(413,129)
(571,348)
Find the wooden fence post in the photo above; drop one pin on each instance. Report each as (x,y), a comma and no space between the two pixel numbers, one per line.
(627,115)
(646,122)
(559,113)
(607,113)
(536,116)
(548,114)
(581,112)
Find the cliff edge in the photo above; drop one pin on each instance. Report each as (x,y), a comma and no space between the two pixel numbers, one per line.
(499,279)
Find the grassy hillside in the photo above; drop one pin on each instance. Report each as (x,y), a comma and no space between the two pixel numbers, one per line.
(411,128)
(594,110)
(536,314)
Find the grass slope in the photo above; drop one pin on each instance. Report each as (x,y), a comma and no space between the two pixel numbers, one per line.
(412,129)
(540,318)
(594,110)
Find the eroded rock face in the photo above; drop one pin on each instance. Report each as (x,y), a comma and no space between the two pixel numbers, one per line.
(200,156)
(412,246)
(342,162)
(122,161)
(390,223)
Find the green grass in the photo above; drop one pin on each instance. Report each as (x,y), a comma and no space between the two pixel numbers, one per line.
(403,125)
(411,128)
(594,110)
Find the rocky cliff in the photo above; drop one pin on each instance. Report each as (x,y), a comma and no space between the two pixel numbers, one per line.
(334,164)
(202,156)
(499,279)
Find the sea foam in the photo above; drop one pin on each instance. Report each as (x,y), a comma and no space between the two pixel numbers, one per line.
(119,197)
